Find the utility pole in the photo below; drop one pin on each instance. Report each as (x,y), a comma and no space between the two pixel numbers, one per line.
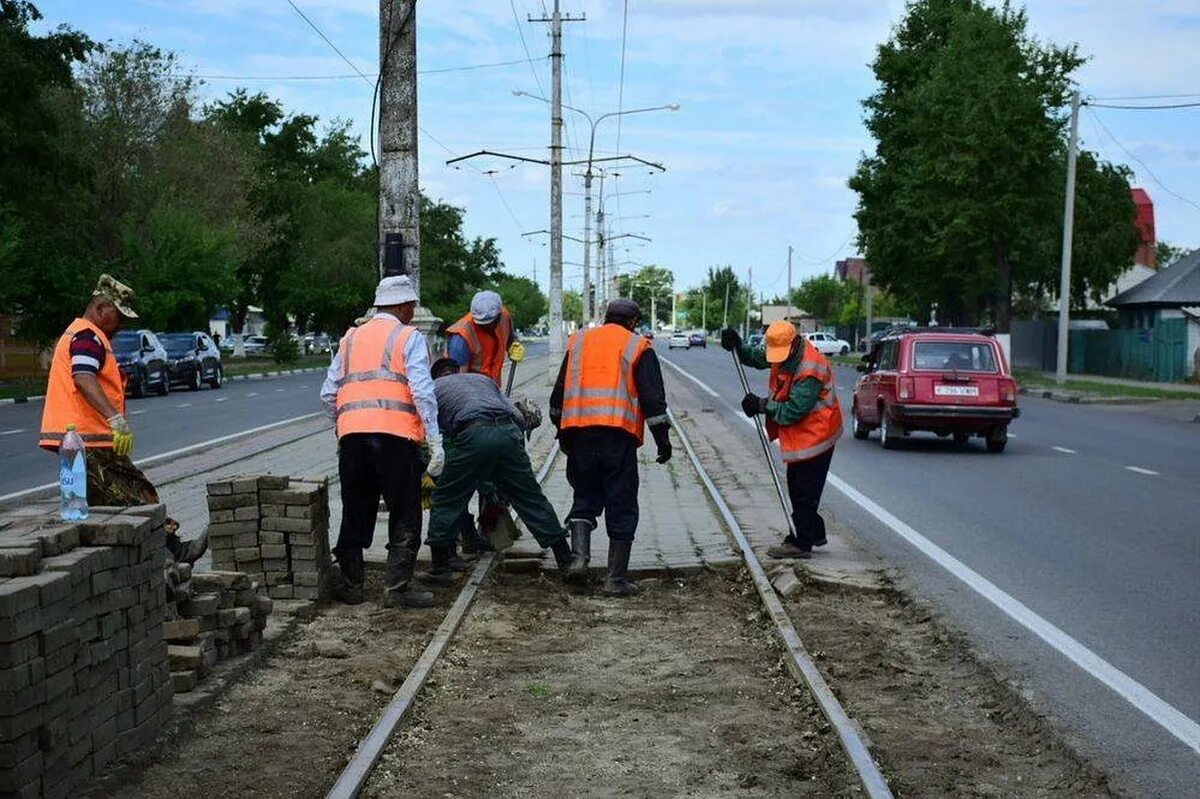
(704,312)
(725,316)
(556,21)
(749,296)
(674,311)
(789,294)
(1064,290)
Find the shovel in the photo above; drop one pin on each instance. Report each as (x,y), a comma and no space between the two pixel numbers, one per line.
(760,427)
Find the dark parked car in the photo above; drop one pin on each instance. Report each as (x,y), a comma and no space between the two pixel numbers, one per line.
(698,340)
(193,359)
(143,362)
(948,383)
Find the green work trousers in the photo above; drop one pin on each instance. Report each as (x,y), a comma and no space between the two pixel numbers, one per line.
(490,451)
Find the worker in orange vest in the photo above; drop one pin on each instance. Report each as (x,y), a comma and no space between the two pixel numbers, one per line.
(380,392)
(803,414)
(86,389)
(608,389)
(478,343)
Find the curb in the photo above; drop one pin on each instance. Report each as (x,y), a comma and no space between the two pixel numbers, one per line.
(254,376)
(1083,399)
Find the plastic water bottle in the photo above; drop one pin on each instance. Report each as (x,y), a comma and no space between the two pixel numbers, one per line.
(72,476)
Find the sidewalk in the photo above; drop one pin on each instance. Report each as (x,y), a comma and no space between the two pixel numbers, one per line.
(1076,386)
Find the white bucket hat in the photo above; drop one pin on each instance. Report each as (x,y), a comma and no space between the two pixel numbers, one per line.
(485,307)
(395,290)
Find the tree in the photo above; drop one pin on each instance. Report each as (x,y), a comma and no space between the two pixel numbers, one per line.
(960,202)
(523,298)
(650,287)
(1166,253)
(452,268)
(823,296)
(572,307)
(713,293)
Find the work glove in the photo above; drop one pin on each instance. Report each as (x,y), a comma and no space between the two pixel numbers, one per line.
(427,486)
(122,435)
(516,352)
(437,456)
(662,440)
(531,414)
(753,405)
(730,340)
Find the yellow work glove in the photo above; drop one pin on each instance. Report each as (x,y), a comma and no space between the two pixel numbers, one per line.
(427,485)
(516,352)
(122,435)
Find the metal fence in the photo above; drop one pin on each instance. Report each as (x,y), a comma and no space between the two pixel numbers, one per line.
(1158,353)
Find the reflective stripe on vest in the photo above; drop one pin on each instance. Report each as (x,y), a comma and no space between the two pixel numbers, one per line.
(64,404)
(373,390)
(599,389)
(819,430)
(487,352)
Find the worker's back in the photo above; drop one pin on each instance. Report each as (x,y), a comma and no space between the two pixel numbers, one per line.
(462,398)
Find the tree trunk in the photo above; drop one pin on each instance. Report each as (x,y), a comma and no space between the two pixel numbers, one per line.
(1003,312)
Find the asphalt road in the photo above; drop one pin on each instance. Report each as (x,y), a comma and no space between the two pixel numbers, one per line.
(1091,519)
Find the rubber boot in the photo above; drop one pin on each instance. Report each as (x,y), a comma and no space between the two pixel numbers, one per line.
(563,555)
(440,572)
(581,546)
(618,582)
(457,564)
(396,591)
(474,542)
(348,580)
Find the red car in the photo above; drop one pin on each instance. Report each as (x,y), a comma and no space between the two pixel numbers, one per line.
(944,382)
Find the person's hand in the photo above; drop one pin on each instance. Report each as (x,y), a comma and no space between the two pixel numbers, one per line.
(531,414)
(427,486)
(516,352)
(753,405)
(122,435)
(730,340)
(662,440)
(437,456)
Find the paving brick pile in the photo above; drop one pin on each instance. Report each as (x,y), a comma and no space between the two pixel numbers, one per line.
(84,676)
(212,616)
(276,529)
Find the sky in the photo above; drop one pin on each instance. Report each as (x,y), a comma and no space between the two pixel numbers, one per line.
(757,157)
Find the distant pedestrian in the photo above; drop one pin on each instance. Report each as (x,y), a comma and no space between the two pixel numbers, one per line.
(379,390)
(485,435)
(803,413)
(86,389)
(609,389)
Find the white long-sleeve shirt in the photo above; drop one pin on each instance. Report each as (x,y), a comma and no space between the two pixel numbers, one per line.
(416,368)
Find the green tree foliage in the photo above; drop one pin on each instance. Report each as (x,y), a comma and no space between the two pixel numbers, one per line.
(452,268)
(713,293)
(523,298)
(824,296)
(650,287)
(572,307)
(960,201)
(1165,253)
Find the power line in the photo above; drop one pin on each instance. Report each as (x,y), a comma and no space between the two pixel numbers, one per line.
(1142,107)
(1145,97)
(1149,171)
(439,71)
(321,33)
(492,176)
(525,46)
(833,255)
(621,88)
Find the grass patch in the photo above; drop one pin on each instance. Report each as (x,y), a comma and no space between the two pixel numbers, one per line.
(22,387)
(258,365)
(847,360)
(1037,380)
(538,690)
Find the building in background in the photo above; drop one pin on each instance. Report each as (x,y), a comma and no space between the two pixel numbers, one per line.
(1147,239)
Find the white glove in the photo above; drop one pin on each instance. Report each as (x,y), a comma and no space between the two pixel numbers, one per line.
(437,456)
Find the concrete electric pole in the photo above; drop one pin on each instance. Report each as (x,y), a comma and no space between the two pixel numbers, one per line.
(1064,290)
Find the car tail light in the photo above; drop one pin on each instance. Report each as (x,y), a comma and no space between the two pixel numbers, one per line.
(1008,391)
(906,389)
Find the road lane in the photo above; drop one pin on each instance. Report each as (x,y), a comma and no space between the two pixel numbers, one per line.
(1109,556)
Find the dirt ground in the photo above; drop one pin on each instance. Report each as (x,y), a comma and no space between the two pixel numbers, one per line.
(546,692)
(290,725)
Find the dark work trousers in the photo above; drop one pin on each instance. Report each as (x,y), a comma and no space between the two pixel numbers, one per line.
(805,482)
(374,465)
(602,468)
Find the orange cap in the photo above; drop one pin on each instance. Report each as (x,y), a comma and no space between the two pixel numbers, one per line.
(780,336)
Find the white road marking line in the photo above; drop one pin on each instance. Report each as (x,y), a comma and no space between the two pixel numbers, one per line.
(13,432)
(252,394)
(703,387)
(1064,450)
(182,450)
(137,413)
(221,399)
(278,390)
(1140,470)
(1139,696)
(184,405)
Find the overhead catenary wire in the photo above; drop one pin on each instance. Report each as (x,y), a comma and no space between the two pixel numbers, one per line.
(1096,118)
(1166,107)
(354,76)
(525,46)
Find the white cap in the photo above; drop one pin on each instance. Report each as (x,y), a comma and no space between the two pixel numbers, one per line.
(395,290)
(485,307)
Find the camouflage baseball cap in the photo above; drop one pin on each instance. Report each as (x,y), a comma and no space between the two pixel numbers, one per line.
(114,291)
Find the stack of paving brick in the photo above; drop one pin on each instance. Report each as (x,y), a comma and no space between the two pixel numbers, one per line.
(276,529)
(84,677)
(216,615)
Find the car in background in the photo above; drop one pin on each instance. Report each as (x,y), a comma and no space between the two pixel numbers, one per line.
(828,343)
(142,360)
(755,340)
(940,381)
(257,345)
(679,341)
(698,339)
(193,360)
(648,334)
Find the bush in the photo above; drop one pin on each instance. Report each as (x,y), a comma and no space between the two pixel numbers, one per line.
(284,348)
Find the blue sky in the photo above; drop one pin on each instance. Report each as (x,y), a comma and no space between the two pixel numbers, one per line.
(758,156)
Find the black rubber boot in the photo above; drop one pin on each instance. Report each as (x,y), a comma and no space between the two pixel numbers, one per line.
(563,555)
(618,582)
(348,580)
(581,546)
(457,564)
(440,572)
(405,597)
(474,542)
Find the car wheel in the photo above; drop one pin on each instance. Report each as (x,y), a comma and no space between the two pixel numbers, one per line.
(961,439)
(997,440)
(164,384)
(218,378)
(195,384)
(857,428)
(141,386)
(846,350)
(890,432)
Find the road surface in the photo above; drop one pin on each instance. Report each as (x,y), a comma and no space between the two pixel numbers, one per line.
(1091,519)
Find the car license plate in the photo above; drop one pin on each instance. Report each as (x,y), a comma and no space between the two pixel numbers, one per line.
(956,391)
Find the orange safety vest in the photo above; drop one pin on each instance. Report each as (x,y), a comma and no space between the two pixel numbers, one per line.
(373,391)
(599,389)
(65,404)
(488,346)
(820,429)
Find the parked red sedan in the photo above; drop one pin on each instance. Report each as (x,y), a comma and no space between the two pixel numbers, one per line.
(952,383)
